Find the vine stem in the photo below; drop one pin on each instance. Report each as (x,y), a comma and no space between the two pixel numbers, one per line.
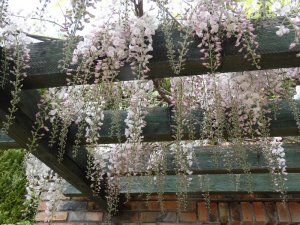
(41,19)
(161,91)
(167,11)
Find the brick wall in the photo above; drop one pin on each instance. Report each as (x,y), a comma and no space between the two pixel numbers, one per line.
(224,209)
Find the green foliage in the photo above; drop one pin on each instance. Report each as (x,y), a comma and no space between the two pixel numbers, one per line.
(12,187)
(20,223)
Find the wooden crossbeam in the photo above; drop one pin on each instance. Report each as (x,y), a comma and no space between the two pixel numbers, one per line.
(20,131)
(160,125)
(274,51)
(216,160)
(213,183)
(218,183)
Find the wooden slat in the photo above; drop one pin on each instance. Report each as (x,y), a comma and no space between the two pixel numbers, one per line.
(204,160)
(159,125)
(218,183)
(274,51)
(20,131)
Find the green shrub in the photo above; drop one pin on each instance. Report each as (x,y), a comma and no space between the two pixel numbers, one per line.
(12,188)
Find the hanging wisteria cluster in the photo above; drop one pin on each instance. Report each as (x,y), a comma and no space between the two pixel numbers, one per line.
(233,105)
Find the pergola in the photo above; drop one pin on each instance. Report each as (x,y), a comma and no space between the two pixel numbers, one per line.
(43,73)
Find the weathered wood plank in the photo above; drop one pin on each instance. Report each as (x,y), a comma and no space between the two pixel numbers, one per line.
(218,183)
(159,125)
(274,53)
(204,160)
(20,131)
(213,160)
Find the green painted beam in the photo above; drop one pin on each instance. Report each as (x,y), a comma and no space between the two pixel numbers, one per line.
(71,191)
(159,125)
(20,131)
(217,183)
(274,51)
(7,143)
(204,160)
(213,160)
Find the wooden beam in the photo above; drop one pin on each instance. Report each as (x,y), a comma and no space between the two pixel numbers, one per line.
(218,174)
(20,131)
(274,51)
(204,160)
(7,143)
(218,183)
(159,125)
(213,160)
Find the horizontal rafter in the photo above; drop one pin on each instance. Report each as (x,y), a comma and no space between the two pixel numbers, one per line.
(159,125)
(214,160)
(218,183)
(213,183)
(274,51)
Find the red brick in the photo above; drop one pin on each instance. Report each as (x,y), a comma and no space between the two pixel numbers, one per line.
(135,205)
(173,205)
(150,216)
(155,205)
(247,213)
(165,197)
(188,217)
(235,213)
(170,205)
(125,216)
(213,215)
(92,206)
(94,216)
(202,212)
(224,212)
(271,213)
(57,216)
(260,214)
(294,211)
(42,206)
(191,206)
(283,213)
(152,205)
